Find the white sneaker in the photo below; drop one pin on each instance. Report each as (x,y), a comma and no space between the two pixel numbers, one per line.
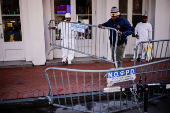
(64,62)
(132,59)
(69,62)
(143,60)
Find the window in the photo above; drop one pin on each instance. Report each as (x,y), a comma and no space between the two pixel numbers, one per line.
(84,15)
(137,13)
(123,8)
(61,7)
(11,20)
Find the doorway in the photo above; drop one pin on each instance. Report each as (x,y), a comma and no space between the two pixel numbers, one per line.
(131,10)
(11,40)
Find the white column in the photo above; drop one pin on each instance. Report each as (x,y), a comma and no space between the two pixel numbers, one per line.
(73,9)
(109,5)
(47,17)
(162,22)
(37,45)
(25,28)
(99,20)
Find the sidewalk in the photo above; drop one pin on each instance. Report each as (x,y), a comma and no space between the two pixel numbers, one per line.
(26,84)
(20,79)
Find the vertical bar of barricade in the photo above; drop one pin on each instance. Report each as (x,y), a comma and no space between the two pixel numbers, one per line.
(84,91)
(63,88)
(88,40)
(112,53)
(68,36)
(103,44)
(99,93)
(164,62)
(159,63)
(91,40)
(136,49)
(61,38)
(81,42)
(99,41)
(84,40)
(49,86)
(92,91)
(70,89)
(50,32)
(77,90)
(95,40)
(153,66)
(115,48)
(56,87)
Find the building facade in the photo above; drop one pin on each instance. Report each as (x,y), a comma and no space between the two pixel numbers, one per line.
(24,23)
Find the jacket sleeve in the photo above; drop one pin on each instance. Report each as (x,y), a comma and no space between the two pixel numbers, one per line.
(128,29)
(106,24)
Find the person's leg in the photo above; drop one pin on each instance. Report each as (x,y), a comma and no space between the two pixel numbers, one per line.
(119,54)
(136,51)
(64,51)
(70,52)
(144,51)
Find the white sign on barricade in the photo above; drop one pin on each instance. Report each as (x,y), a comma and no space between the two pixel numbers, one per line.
(120,76)
(77,28)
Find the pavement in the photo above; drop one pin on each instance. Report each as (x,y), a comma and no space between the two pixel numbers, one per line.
(21,83)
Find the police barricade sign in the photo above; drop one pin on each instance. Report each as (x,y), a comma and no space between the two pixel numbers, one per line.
(120,76)
(77,28)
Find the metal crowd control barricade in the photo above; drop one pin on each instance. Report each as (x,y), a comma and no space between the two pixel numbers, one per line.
(87,39)
(114,89)
(93,91)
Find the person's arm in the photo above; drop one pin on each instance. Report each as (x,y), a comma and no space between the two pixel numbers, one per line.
(56,27)
(51,28)
(128,30)
(136,32)
(150,32)
(106,24)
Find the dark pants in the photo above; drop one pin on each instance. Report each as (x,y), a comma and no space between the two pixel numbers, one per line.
(119,53)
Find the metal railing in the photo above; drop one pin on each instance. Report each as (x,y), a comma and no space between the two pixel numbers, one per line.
(92,90)
(77,89)
(87,39)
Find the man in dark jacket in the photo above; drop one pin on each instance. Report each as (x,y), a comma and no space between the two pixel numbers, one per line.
(124,29)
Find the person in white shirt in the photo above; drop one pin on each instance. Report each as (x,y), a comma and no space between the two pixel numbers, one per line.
(143,32)
(68,39)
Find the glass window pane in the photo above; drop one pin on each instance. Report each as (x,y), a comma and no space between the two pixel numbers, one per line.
(86,20)
(11,28)
(124,16)
(123,6)
(136,19)
(84,6)
(137,6)
(10,7)
(62,6)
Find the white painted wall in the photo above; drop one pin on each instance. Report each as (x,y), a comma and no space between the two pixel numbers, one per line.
(73,10)
(36,36)
(161,22)
(47,17)
(25,28)
(151,15)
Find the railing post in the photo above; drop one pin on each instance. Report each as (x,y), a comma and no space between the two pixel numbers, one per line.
(145,98)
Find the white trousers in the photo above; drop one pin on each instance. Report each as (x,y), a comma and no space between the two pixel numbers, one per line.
(68,54)
(141,50)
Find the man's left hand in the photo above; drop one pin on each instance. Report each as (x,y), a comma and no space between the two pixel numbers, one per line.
(119,33)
